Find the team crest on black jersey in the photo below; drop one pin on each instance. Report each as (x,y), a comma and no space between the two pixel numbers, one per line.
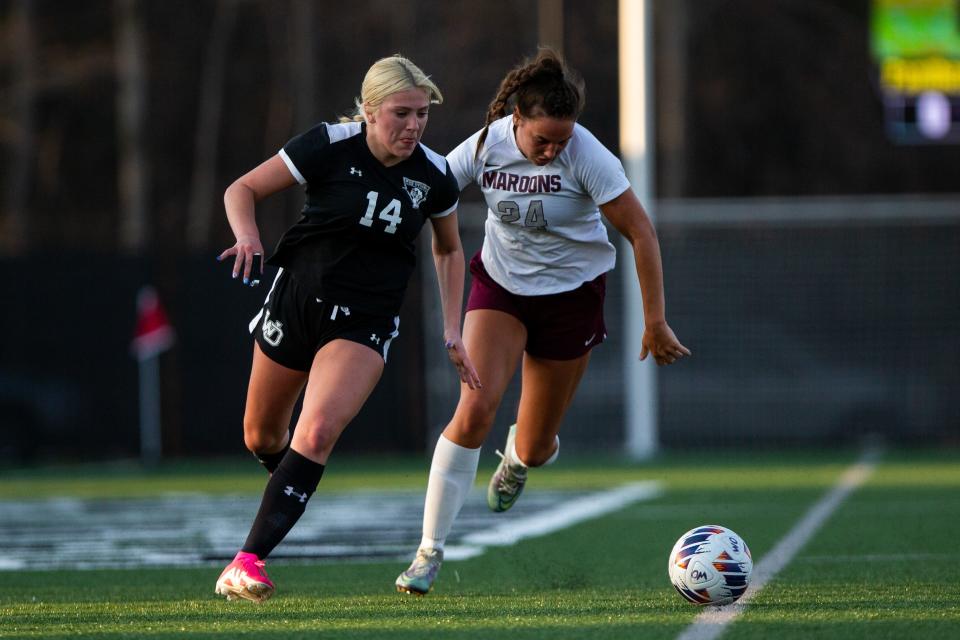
(416,190)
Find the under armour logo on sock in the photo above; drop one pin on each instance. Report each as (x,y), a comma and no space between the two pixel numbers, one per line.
(291,492)
(356,172)
(374,338)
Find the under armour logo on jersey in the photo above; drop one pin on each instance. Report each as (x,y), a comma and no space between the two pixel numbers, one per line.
(291,492)
(374,338)
(356,172)
(416,190)
(272,330)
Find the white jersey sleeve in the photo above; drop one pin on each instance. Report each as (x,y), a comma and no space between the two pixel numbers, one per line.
(602,176)
(544,233)
(463,162)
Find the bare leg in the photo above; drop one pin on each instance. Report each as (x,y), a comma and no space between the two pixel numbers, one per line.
(271,396)
(495,342)
(548,389)
(342,377)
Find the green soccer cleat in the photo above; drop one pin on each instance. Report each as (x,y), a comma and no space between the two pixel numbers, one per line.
(508,480)
(418,579)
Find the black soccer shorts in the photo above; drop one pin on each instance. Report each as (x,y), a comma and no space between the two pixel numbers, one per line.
(293,325)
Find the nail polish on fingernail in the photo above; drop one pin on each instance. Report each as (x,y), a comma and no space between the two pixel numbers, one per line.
(246,280)
(235,275)
(218,258)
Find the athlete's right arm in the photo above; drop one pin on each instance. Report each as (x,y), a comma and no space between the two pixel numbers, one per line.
(240,200)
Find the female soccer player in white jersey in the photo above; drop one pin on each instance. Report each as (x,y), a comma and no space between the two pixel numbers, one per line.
(538,287)
(331,314)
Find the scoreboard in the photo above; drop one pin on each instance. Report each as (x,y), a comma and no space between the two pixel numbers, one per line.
(916,47)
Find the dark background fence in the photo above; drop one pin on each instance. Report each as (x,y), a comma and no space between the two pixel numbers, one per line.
(69,382)
(811,322)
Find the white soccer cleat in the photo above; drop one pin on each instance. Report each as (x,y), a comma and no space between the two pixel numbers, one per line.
(418,578)
(508,480)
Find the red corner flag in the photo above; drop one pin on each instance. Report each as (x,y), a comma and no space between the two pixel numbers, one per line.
(153,334)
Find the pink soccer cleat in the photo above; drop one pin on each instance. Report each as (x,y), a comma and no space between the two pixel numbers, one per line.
(245,578)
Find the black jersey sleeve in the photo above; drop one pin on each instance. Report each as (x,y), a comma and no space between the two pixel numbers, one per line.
(448,193)
(308,153)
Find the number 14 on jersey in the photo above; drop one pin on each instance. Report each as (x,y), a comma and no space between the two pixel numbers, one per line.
(390,213)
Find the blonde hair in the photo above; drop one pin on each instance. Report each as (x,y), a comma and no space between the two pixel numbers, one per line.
(388,76)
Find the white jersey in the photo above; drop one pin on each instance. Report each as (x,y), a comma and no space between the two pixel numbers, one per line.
(544,233)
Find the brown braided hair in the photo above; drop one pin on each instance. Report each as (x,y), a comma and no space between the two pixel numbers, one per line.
(543,86)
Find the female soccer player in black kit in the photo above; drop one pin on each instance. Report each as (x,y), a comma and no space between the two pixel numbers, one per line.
(331,313)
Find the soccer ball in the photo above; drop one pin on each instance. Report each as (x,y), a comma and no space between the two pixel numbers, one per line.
(710,565)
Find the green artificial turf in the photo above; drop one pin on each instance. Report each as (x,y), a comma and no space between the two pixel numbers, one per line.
(875,570)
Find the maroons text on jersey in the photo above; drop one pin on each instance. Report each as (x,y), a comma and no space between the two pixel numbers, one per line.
(543,232)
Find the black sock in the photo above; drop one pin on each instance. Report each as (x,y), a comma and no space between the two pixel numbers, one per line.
(271,461)
(284,500)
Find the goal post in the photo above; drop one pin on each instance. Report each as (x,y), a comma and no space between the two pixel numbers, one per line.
(638,154)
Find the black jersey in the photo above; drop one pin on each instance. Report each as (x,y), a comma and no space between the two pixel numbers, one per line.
(355,243)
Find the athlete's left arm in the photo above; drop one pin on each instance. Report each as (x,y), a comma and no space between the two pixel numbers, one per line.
(627,215)
(448,259)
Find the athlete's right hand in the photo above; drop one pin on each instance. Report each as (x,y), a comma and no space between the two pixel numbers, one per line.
(245,252)
(458,356)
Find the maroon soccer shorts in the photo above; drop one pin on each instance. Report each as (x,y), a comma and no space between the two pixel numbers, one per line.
(560,326)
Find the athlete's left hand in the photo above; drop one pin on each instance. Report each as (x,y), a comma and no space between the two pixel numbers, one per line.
(458,356)
(659,340)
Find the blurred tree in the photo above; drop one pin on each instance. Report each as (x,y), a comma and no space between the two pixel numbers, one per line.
(303,60)
(772,98)
(132,179)
(550,24)
(203,185)
(19,131)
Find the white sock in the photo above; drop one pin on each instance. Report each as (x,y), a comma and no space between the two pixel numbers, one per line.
(451,476)
(553,458)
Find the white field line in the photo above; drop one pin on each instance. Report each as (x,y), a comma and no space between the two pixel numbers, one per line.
(878,557)
(713,621)
(560,517)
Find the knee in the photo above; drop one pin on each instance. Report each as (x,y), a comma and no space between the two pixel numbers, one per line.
(317,436)
(473,419)
(260,438)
